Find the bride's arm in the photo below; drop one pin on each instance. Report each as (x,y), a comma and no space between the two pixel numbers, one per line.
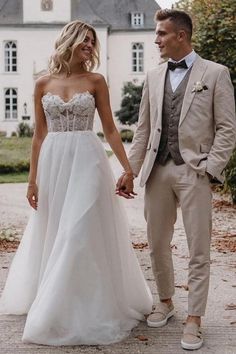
(39,134)
(112,135)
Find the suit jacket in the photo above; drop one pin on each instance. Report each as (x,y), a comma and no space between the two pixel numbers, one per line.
(207,126)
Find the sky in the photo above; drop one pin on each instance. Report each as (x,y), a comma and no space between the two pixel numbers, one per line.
(165,3)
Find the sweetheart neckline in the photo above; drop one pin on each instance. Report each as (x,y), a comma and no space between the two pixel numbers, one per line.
(71,99)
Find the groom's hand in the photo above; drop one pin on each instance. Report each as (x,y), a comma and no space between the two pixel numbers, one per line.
(125,186)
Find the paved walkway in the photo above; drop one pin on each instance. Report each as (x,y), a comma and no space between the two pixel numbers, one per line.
(219,324)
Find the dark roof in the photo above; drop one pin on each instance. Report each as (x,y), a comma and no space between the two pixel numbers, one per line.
(11,11)
(114,14)
(82,9)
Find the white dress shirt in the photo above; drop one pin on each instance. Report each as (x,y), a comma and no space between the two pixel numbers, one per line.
(177,75)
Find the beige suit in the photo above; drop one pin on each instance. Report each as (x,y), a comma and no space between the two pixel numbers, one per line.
(207,135)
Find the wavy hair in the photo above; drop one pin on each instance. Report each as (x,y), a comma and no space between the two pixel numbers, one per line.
(71,36)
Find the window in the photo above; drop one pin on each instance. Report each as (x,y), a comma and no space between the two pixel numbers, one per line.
(137,57)
(46,5)
(10,57)
(137,19)
(11,103)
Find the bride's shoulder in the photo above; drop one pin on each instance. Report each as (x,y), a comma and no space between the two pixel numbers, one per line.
(42,81)
(41,84)
(96,77)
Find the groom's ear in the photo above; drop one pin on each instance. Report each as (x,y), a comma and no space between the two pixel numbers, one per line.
(182,35)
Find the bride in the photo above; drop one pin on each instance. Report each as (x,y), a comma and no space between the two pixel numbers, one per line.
(75,273)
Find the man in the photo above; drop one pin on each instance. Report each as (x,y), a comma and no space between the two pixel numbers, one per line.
(185,135)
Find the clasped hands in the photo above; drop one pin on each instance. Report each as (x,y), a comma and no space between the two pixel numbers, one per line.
(125,185)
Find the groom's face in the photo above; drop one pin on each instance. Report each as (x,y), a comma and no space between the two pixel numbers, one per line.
(168,39)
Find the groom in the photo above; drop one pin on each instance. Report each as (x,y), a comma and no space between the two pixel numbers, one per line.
(185,135)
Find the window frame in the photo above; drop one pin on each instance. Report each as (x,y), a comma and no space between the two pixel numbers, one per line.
(10,55)
(11,102)
(137,57)
(137,19)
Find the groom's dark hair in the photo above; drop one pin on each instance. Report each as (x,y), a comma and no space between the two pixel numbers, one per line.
(180,18)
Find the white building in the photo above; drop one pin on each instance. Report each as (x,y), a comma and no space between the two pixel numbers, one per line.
(28,29)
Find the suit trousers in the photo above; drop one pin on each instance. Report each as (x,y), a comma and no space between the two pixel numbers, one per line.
(167,187)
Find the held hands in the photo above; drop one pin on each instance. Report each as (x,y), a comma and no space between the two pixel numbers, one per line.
(32,195)
(125,186)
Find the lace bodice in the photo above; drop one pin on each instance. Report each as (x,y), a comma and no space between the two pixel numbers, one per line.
(76,114)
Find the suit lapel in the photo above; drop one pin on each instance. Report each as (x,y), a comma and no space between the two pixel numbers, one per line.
(160,90)
(198,69)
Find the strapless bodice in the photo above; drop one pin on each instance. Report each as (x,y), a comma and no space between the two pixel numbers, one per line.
(73,115)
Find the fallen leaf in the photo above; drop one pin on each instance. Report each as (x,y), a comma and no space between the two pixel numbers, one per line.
(185,287)
(8,246)
(142,338)
(140,245)
(230,307)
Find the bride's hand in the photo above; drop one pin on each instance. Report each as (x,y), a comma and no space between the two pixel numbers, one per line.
(125,186)
(32,195)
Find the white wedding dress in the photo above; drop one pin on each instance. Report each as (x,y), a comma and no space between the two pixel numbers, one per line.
(75,273)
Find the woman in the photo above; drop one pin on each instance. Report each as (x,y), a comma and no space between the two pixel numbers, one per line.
(75,272)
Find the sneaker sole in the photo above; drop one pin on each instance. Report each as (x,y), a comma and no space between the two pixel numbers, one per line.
(160,323)
(189,346)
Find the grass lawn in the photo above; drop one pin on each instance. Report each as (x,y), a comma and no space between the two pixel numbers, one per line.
(14,150)
(14,177)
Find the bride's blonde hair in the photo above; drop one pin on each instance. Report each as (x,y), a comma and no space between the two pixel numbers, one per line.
(72,35)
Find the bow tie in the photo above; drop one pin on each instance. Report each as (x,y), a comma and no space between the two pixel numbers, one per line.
(172,66)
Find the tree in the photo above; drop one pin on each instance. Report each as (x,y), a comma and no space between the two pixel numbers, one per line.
(131,96)
(214,34)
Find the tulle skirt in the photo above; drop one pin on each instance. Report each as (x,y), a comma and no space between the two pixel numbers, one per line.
(75,273)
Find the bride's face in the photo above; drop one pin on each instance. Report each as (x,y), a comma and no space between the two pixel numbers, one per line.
(84,51)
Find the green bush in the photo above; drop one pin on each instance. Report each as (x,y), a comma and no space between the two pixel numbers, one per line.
(14,167)
(230,174)
(14,155)
(24,130)
(127,135)
(131,97)
(2,133)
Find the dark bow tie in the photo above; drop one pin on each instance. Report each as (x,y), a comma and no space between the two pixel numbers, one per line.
(172,66)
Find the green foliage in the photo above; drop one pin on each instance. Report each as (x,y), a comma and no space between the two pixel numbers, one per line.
(24,130)
(214,30)
(2,133)
(230,174)
(127,135)
(131,97)
(14,167)
(14,155)
(21,177)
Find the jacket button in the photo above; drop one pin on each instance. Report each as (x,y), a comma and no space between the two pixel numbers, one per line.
(155,150)
(158,130)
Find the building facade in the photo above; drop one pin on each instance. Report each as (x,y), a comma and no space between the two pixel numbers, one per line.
(29,28)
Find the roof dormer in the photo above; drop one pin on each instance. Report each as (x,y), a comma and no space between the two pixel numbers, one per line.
(137,19)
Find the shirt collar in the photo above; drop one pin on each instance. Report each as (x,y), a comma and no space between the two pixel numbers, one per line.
(190,58)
